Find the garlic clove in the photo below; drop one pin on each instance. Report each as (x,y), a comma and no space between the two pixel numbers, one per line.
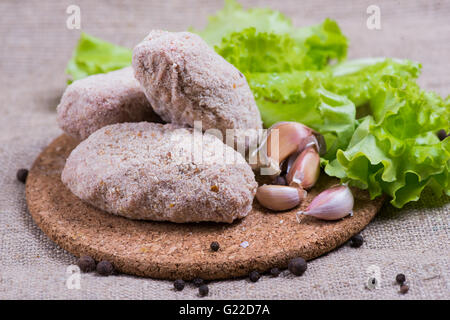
(299,135)
(332,204)
(286,138)
(290,136)
(279,198)
(282,140)
(305,170)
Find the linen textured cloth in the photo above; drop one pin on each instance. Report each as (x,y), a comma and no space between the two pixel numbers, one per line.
(36,45)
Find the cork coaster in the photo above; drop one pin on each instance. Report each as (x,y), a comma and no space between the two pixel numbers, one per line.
(172,251)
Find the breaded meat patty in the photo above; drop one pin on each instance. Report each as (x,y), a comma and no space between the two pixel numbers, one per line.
(186,80)
(99,100)
(160,172)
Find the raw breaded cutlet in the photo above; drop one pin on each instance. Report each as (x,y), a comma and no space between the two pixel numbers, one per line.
(153,171)
(99,100)
(186,80)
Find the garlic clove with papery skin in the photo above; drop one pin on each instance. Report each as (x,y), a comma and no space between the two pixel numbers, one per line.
(305,170)
(279,198)
(292,136)
(285,138)
(332,204)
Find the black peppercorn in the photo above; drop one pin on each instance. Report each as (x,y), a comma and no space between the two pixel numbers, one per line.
(203,290)
(275,272)
(215,246)
(22,175)
(400,278)
(442,134)
(254,276)
(297,266)
(178,285)
(356,241)
(198,282)
(105,268)
(404,289)
(86,264)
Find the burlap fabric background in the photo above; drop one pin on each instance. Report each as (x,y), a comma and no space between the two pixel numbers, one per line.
(35,47)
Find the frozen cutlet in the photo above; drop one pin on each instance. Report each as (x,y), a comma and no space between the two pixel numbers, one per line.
(153,171)
(186,80)
(99,100)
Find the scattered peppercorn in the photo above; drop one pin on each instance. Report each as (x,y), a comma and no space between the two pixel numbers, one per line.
(215,246)
(22,175)
(198,282)
(280,180)
(400,278)
(105,268)
(404,289)
(203,290)
(275,272)
(356,241)
(442,134)
(178,284)
(297,266)
(86,264)
(254,276)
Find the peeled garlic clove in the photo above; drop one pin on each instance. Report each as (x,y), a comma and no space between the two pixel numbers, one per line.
(331,204)
(279,198)
(305,170)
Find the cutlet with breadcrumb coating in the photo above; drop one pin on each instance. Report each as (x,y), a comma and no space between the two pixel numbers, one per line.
(160,172)
(185,80)
(103,99)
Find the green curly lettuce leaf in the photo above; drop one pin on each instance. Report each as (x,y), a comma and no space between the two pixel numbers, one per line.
(323,42)
(233,18)
(357,78)
(251,50)
(298,97)
(93,55)
(395,150)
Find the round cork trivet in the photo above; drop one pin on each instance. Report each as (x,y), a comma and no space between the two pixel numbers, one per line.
(171,251)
